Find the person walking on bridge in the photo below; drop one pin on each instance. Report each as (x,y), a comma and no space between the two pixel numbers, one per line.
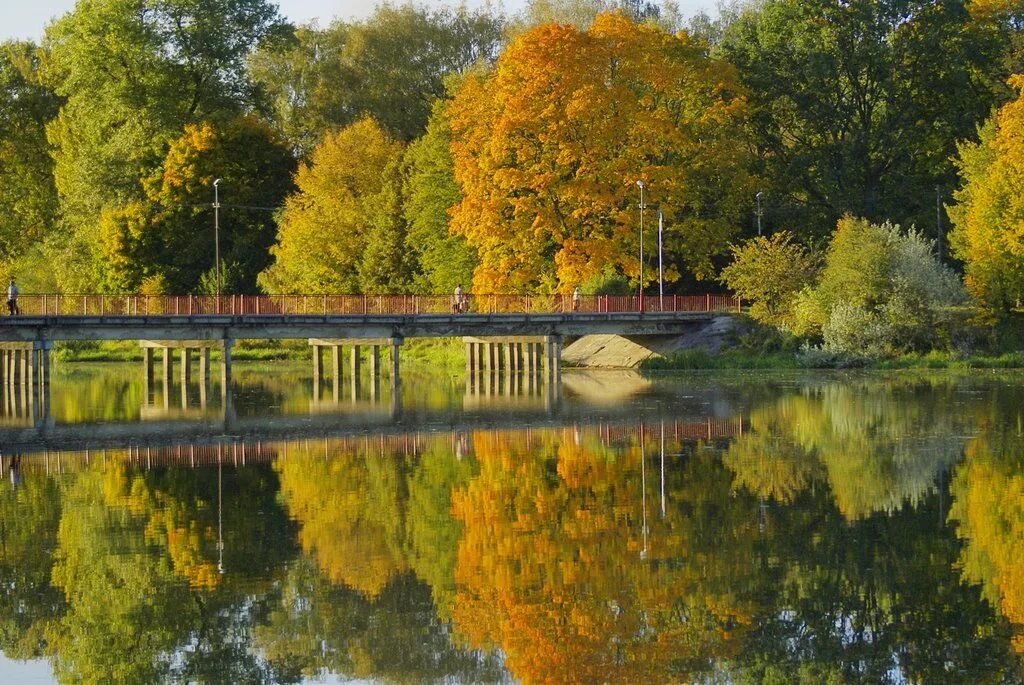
(458,300)
(576,296)
(12,299)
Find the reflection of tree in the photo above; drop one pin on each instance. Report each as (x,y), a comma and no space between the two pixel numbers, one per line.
(872,601)
(879,443)
(127,613)
(321,627)
(350,508)
(552,567)
(133,560)
(28,530)
(988,493)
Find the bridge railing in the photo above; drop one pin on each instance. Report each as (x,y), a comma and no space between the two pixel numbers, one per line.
(192,305)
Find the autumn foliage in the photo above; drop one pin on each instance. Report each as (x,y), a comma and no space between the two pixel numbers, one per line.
(548,148)
(988,220)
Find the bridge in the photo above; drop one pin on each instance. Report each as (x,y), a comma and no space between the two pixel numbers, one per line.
(518,334)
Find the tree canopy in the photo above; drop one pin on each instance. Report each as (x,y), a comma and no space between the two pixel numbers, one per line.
(549,146)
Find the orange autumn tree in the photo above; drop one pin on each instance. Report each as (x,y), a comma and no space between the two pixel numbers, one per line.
(988,219)
(549,146)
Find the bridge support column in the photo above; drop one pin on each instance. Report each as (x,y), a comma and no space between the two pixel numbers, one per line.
(44,382)
(204,375)
(24,380)
(186,366)
(167,371)
(374,372)
(470,361)
(147,372)
(318,370)
(396,345)
(336,375)
(354,363)
(225,373)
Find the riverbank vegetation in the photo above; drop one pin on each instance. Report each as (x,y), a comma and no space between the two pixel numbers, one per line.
(418,149)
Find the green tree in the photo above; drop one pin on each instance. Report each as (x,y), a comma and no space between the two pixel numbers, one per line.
(326,226)
(28,197)
(852,113)
(169,234)
(133,74)
(770,272)
(445,260)
(390,67)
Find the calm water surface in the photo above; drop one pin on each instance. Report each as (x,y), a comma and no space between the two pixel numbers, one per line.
(746,528)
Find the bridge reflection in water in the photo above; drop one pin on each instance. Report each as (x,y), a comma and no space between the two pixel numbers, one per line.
(239,451)
(283,406)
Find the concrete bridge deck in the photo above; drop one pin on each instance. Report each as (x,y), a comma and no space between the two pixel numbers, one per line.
(35,329)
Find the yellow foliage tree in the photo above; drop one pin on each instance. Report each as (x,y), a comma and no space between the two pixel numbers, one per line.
(988,219)
(549,146)
(325,226)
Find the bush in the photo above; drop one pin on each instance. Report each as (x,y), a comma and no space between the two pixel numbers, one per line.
(881,292)
(769,273)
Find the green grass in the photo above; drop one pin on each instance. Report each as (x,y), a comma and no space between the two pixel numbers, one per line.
(727,359)
(746,359)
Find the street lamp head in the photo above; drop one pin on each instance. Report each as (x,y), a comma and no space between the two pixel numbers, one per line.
(216,182)
(759,195)
(641,184)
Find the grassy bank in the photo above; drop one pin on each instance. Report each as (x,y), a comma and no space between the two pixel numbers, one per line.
(746,359)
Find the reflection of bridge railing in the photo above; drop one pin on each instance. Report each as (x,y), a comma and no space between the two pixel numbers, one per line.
(192,305)
(243,452)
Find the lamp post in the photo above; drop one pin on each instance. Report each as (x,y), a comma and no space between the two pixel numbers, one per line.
(758,196)
(641,279)
(661,278)
(216,238)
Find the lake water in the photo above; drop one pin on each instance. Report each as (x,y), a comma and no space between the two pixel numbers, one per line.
(737,528)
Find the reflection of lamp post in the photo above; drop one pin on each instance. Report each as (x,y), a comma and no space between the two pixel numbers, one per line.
(216,238)
(663,469)
(643,489)
(641,279)
(220,519)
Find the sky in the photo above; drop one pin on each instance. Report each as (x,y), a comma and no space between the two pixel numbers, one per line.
(27,19)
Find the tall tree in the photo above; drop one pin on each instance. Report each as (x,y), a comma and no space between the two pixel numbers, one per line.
(988,234)
(549,147)
(325,227)
(28,197)
(444,260)
(853,112)
(390,67)
(169,235)
(134,72)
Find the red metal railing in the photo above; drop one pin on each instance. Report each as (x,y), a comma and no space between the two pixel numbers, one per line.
(192,305)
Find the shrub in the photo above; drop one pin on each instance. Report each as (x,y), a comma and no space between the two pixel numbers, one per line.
(769,272)
(881,292)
